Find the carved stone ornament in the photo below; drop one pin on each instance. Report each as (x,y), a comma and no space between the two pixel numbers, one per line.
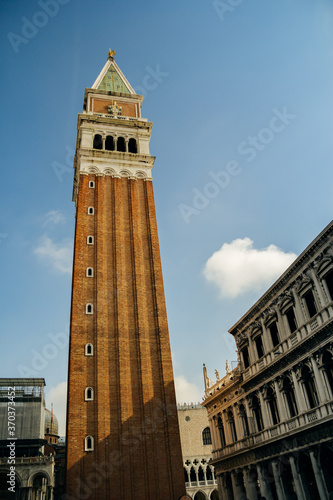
(114,110)
(270,311)
(241,337)
(303,281)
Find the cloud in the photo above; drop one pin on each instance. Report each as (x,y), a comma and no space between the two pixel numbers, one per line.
(55,217)
(59,256)
(58,396)
(238,267)
(186,392)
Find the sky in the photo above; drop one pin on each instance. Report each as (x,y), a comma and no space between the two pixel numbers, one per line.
(240,93)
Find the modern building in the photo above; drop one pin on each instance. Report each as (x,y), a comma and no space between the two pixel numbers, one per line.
(122,427)
(196,444)
(271,417)
(26,465)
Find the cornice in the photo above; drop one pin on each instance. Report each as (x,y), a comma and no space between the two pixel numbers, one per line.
(99,119)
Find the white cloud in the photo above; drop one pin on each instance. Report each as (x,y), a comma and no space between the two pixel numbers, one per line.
(55,217)
(58,255)
(238,267)
(58,396)
(186,392)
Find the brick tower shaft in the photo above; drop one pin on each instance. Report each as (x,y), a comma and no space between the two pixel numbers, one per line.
(122,428)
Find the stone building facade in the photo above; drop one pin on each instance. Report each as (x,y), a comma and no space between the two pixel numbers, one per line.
(22,419)
(196,444)
(271,417)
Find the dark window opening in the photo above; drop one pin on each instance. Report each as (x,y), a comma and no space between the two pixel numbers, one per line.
(246,357)
(290,315)
(206,436)
(193,476)
(259,346)
(310,303)
(221,431)
(209,474)
(310,388)
(186,476)
(89,271)
(257,413)
(290,397)
(132,148)
(121,146)
(232,426)
(329,282)
(109,143)
(273,406)
(328,369)
(90,240)
(89,308)
(201,475)
(245,423)
(89,349)
(273,329)
(98,142)
(89,393)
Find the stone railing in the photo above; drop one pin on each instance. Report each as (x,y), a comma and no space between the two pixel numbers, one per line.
(29,460)
(317,414)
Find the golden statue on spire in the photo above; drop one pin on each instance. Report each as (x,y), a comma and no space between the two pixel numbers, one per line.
(111,53)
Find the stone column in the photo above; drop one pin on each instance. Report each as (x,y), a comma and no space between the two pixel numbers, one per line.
(238,423)
(319,381)
(126,144)
(318,288)
(237,486)
(318,476)
(264,490)
(250,485)
(301,404)
(281,326)
(297,479)
(299,313)
(277,479)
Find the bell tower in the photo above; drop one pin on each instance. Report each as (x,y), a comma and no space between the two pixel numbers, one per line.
(122,428)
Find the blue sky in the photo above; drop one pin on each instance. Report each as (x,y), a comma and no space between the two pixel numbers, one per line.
(243,94)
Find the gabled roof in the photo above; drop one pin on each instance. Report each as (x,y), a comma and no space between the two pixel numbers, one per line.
(112,79)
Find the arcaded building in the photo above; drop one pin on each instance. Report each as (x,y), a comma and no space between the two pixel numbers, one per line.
(271,417)
(196,441)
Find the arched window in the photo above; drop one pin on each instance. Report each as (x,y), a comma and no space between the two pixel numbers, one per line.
(132,148)
(329,282)
(289,395)
(328,370)
(89,443)
(259,346)
(109,143)
(89,394)
(245,355)
(310,303)
(271,401)
(206,436)
(89,309)
(186,476)
(273,330)
(121,145)
(291,319)
(89,350)
(90,240)
(232,426)
(98,142)
(309,387)
(193,476)
(91,184)
(255,404)
(91,210)
(245,423)
(201,475)
(209,474)
(221,431)
(89,272)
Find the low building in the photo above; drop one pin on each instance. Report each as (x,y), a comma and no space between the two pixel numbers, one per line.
(26,466)
(271,417)
(196,445)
